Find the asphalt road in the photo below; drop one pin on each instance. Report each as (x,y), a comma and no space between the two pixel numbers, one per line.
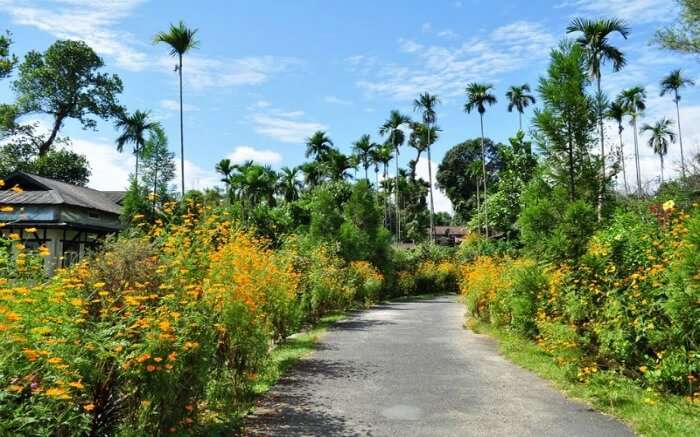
(411,369)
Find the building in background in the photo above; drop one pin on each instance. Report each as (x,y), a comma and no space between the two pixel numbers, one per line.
(68,220)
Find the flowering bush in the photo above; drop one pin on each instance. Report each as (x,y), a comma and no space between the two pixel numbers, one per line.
(631,303)
(164,329)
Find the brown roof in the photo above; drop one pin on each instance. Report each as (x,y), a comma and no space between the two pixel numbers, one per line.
(39,190)
(450,230)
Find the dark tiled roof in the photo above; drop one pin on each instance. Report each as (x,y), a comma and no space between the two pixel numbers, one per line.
(44,191)
(115,196)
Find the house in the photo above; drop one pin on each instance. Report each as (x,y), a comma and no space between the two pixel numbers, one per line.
(69,220)
(449,235)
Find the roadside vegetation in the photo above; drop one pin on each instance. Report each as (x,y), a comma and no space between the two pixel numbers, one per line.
(588,277)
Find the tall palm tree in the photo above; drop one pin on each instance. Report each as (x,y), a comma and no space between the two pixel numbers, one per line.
(313,174)
(225,168)
(594,39)
(336,165)
(181,40)
(479,95)
(661,137)
(376,159)
(392,128)
(616,111)
(634,101)
(426,103)
(289,184)
(317,145)
(363,149)
(519,98)
(385,154)
(672,83)
(133,129)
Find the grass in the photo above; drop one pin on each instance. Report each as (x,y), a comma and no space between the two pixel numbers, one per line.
(646,411)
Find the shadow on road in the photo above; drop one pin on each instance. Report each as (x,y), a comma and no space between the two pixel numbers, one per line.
(288,409)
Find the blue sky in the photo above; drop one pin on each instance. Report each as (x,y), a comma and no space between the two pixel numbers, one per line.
(269,73)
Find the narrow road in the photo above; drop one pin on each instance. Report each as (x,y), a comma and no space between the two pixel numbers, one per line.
(410,369)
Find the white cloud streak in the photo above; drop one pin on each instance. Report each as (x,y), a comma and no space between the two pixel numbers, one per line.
(247,153)
(445,70)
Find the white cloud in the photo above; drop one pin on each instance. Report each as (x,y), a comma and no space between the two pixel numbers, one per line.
(174,105)
(93,21)
(285,126)
(447,34)
(445,70)
(110,169)
(246,153)
(336,100)
(203,72)
(99,24)
(426,27)
(636,11)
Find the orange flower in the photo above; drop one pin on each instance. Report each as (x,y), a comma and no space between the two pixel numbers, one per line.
(89,407)
(151,368)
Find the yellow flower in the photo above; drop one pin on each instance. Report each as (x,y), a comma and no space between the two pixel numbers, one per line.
(16,189)
(7,209)
(76,384)
(668,206)
(57,392)
(13,237)
(54,360)
(31,230)
(89,407)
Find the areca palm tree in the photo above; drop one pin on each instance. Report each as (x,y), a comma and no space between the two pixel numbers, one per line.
(363,149)
(181,40)
(594,39)
(660,139)
(384,155)
(225,168)
(672,83)
(633,100)
(313,173)
(616,111)
(392,128)
(289,184)
(133,129)
(336,165)
(519,98)
(479,95)
(426,103)
(317,145)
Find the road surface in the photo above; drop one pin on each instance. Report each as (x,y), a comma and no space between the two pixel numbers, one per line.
(411,369)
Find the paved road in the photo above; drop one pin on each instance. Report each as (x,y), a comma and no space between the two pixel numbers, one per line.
(410,369)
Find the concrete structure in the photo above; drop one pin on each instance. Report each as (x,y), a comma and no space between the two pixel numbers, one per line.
(69,220)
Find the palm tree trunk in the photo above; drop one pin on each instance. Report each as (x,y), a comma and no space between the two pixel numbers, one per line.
(622,159)
(636,156)
(680,137)
(601,189)
(520,121)
(483,168)
(155,187)
(396,195)
(430,181)
(366,174)
(136,175)
(182,132)
(662,167)
(478,205)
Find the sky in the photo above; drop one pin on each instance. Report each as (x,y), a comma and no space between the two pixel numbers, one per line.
(267,74)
